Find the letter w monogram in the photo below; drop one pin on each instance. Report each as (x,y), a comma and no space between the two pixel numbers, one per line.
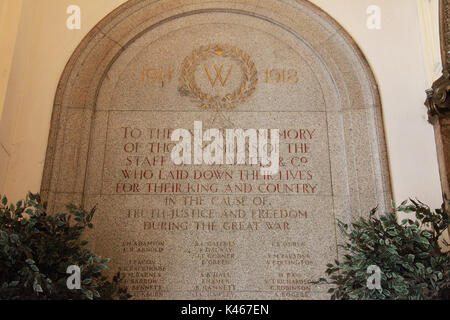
(218,75)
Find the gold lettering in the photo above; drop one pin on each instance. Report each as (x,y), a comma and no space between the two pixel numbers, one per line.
(282,76)
(218,75)
(157,75)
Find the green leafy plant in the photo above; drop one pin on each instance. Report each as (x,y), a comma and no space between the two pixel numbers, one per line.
(413,264)
(36,249)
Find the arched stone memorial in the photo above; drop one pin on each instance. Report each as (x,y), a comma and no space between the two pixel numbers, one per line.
(218,231)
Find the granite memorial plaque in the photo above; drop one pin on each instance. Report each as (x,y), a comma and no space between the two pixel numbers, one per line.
(220,230)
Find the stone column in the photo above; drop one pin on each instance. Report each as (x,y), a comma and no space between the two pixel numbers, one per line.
(438,101)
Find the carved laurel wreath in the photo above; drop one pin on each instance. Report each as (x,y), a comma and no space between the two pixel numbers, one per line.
(188,86)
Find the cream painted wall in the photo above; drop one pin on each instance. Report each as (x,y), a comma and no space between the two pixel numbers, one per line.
(395,53)
(429,26)
(43,47)
(10,13)
(9,22)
